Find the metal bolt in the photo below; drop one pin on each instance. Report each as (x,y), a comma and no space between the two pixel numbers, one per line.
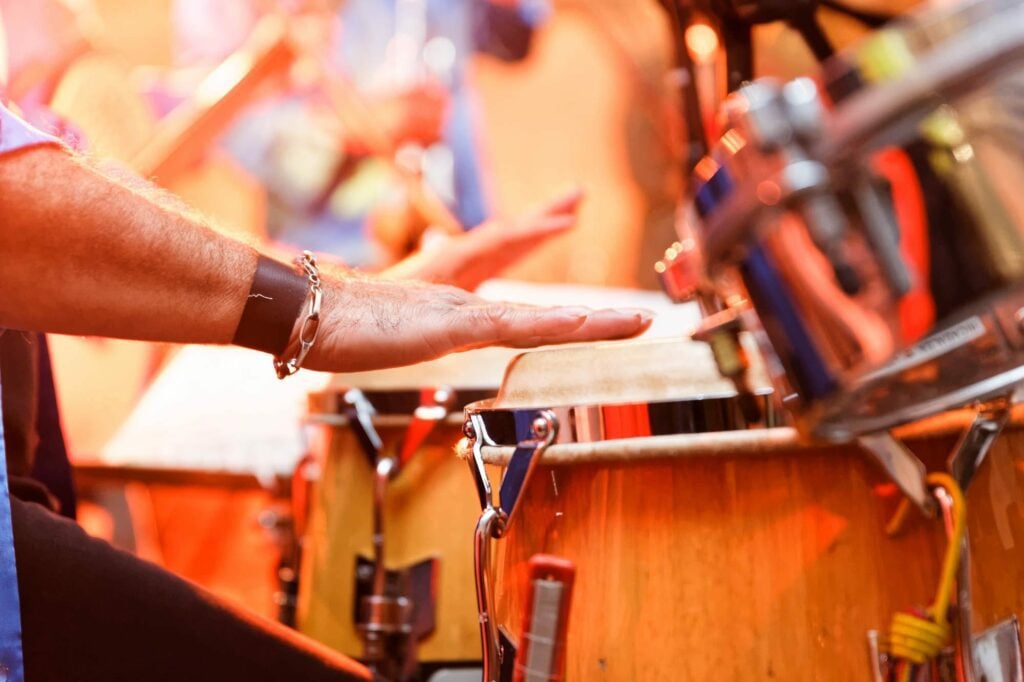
(468,430)
(540,427)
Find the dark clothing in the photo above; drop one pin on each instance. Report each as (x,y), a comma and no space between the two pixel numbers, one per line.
(94,613)
(52,467)
(19,368)
(37,459)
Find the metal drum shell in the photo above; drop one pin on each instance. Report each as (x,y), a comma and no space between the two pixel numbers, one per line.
(699,559)
(959,92)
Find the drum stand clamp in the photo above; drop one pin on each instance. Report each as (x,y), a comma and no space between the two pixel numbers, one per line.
(540,432)
(394,608)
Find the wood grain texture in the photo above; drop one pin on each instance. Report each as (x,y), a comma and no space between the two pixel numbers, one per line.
(725,567)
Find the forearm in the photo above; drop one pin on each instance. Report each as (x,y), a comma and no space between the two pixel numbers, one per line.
(85,254)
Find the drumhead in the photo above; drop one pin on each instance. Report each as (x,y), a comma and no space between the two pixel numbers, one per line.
(613,391)
(637,371)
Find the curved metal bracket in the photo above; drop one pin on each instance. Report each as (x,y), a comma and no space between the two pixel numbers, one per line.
(495,519)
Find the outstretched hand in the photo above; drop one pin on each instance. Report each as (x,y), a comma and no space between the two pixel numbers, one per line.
(466,260)
(371,323)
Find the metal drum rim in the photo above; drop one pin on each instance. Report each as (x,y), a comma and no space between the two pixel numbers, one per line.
(575,428)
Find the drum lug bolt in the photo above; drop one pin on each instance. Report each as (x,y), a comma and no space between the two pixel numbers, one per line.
(540,427)
(468,430)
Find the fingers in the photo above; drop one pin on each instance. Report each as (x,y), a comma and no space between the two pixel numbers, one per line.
(607,324)
(490,324)
(527,326)
(567,203)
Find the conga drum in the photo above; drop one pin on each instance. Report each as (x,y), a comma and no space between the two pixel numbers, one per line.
(877,306)
(705,547)
(427,505)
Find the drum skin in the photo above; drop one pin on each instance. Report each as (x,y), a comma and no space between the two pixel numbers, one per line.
(431,510)
(749,567)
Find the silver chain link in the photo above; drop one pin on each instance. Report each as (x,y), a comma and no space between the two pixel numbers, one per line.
(310,323)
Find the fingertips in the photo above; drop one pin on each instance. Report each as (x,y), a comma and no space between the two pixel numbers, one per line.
(605,324)
(567,203)
(612,323)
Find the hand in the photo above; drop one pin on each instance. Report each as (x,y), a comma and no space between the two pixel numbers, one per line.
(467,260)
(371,323)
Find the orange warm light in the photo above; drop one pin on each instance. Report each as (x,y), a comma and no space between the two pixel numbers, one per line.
(702,42)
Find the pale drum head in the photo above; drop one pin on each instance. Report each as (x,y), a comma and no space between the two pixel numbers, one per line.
(430,510)
(637,371)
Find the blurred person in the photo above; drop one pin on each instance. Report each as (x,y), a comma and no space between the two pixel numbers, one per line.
(87,252)
(406,61)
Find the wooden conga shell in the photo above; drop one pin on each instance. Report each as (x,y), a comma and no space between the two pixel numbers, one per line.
(749,555)
(725,567)
(730,555)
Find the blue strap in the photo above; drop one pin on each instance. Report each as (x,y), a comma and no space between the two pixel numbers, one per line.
(12,667)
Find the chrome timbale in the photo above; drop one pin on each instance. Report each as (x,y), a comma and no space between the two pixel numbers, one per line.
(499,514)
(797,226)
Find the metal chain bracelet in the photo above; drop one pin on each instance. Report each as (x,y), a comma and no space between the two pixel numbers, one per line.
(310,323)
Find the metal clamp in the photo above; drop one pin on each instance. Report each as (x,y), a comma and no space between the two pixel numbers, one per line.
(902,466)
(360,413)
(973,446)
(386,616)
(496,518)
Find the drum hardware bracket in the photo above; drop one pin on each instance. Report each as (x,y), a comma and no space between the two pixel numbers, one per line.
(721,332)
(882,232)
(902,466)
(435,406)
(494,522)
(997,656)
(360,413)
(385,613)
(973,446)
(399,616)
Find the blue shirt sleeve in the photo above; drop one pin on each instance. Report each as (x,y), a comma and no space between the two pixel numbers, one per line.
(16,134)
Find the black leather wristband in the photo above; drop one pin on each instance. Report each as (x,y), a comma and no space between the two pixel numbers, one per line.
(274,303)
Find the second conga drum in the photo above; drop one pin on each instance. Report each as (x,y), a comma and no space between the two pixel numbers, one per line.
(428,506)
(717,553)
